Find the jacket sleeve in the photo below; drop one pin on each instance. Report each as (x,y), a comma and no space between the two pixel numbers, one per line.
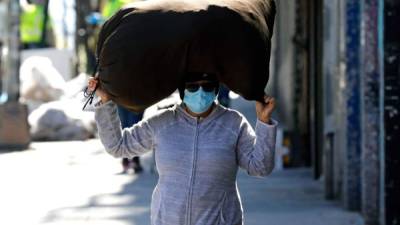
(256,150)
(129,142)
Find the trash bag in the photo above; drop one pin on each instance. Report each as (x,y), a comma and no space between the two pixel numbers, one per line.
(61,120)
(40,81)
(145,50)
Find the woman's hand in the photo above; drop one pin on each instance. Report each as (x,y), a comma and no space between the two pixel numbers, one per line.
(264,109)
(92,84)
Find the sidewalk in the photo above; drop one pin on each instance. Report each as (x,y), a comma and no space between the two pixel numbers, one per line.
(72,183)
(290,197)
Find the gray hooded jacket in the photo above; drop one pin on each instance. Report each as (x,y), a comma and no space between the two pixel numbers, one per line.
(197,160)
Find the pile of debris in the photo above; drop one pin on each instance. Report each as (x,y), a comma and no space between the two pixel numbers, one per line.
(54,105)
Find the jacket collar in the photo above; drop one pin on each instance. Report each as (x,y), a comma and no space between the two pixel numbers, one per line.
(217,110)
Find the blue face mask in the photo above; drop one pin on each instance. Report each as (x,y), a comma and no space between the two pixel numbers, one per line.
(199,101)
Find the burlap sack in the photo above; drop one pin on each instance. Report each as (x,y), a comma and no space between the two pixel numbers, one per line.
(145,50)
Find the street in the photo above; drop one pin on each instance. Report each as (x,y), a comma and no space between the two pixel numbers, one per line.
(328,72)
(76,182)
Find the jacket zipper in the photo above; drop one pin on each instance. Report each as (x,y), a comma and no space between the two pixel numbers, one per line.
(189,206)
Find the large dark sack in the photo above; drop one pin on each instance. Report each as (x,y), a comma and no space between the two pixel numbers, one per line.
(144,51)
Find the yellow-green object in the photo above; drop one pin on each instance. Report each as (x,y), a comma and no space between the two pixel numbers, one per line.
(32,22)
(112,6)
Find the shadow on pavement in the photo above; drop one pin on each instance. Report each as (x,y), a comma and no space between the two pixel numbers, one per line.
(128,206)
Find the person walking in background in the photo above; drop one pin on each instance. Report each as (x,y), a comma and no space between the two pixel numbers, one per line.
(223,96)
(112,6)
(199,146)
(35,25)
(128,119)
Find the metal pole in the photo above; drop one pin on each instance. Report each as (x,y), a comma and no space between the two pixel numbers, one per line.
(45,21)
(12,56)
(371,79)
(352,159)
(392,111)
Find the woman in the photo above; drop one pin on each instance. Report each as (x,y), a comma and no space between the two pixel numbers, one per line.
(198,146)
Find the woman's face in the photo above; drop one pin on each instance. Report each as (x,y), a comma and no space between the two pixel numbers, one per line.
(199,95)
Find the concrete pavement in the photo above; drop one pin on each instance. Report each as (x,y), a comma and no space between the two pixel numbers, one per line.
(72,183)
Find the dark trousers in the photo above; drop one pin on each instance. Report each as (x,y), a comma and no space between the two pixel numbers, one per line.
(128,119)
